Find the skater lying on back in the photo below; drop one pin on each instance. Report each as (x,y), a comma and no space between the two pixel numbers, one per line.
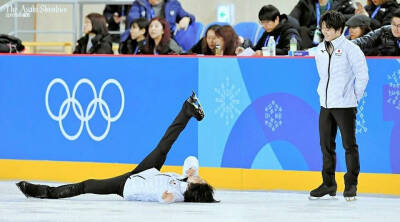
(145,182)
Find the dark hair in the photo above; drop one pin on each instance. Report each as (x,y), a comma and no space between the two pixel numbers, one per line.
(396,13)
(204,45)
(334,20)
(268,13)
(99,23)
(365,29)
(141,22)
(150,44)
(199,192)
(231,39)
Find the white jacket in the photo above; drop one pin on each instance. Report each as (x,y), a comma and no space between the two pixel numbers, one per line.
(343,75)
(149,185)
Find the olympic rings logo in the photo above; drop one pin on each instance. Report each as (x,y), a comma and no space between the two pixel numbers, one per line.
(84,117)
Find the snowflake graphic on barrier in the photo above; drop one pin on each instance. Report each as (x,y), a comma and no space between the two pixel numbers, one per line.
(273,116)
(227,98)
(361,126)
(394,89)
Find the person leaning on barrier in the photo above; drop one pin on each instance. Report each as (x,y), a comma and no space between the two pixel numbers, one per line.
(136,40)
(206,45)
(380,12)
(158,39)
(359,25)
(306,12)
(278,25)
(386,39)
(145,182)
(97,40)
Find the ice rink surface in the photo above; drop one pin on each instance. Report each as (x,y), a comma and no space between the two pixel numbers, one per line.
(234,206)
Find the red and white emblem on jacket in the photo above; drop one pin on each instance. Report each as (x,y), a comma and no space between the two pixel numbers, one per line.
(338,52)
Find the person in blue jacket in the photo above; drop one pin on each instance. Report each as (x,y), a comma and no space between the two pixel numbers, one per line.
(171,10)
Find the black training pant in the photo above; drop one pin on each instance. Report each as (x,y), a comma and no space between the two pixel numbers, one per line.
(329,121)
(155,159)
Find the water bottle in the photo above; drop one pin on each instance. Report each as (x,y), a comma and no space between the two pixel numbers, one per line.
(293,44)
(271,46)
(122,24)
(218,50)
(317,37)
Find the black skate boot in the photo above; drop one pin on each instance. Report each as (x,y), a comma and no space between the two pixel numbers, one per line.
(350,192)
(47,192)
(32,190)
(323,190)
(193,108)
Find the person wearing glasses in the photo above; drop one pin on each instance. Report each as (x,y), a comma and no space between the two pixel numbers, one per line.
(385,39)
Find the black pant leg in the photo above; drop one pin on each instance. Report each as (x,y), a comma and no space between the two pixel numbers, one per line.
(157,157)
(114,185)
(327,134)
(346,119)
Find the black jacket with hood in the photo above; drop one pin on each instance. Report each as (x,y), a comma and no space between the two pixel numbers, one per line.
(284,30)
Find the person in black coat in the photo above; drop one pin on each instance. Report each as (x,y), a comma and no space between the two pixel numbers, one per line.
(279,26)
(97,40)
(158,39)
(137,38)
(115,15)
(359,25)
(380,12)
(306,13)
(386,39)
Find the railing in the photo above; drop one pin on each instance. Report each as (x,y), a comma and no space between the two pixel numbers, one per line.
(30,47)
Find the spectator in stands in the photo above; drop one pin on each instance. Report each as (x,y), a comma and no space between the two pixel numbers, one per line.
(359,25)
(380,11)
(171,10)
(206,45)
(136,41)
(115,15)
(97,40)
(229,42)
(277,25)
(308,13)
(158,39)
(386,39)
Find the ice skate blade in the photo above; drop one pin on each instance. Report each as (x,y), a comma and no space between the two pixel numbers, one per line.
(326,197)
(348,199)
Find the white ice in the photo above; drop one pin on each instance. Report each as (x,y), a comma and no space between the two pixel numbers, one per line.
(234,206)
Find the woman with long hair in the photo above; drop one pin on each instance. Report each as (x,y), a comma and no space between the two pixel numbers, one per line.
(97,40)
(206,45)
(227,39)
(158,39)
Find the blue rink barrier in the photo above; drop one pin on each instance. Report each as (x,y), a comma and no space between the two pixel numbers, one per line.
(260,113)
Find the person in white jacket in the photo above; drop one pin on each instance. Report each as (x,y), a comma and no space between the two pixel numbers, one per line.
(145,182)
(343,73)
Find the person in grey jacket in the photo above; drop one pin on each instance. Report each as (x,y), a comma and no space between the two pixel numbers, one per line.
(343,73)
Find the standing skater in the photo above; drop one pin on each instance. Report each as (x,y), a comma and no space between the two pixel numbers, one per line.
(145,182)
(343,73)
